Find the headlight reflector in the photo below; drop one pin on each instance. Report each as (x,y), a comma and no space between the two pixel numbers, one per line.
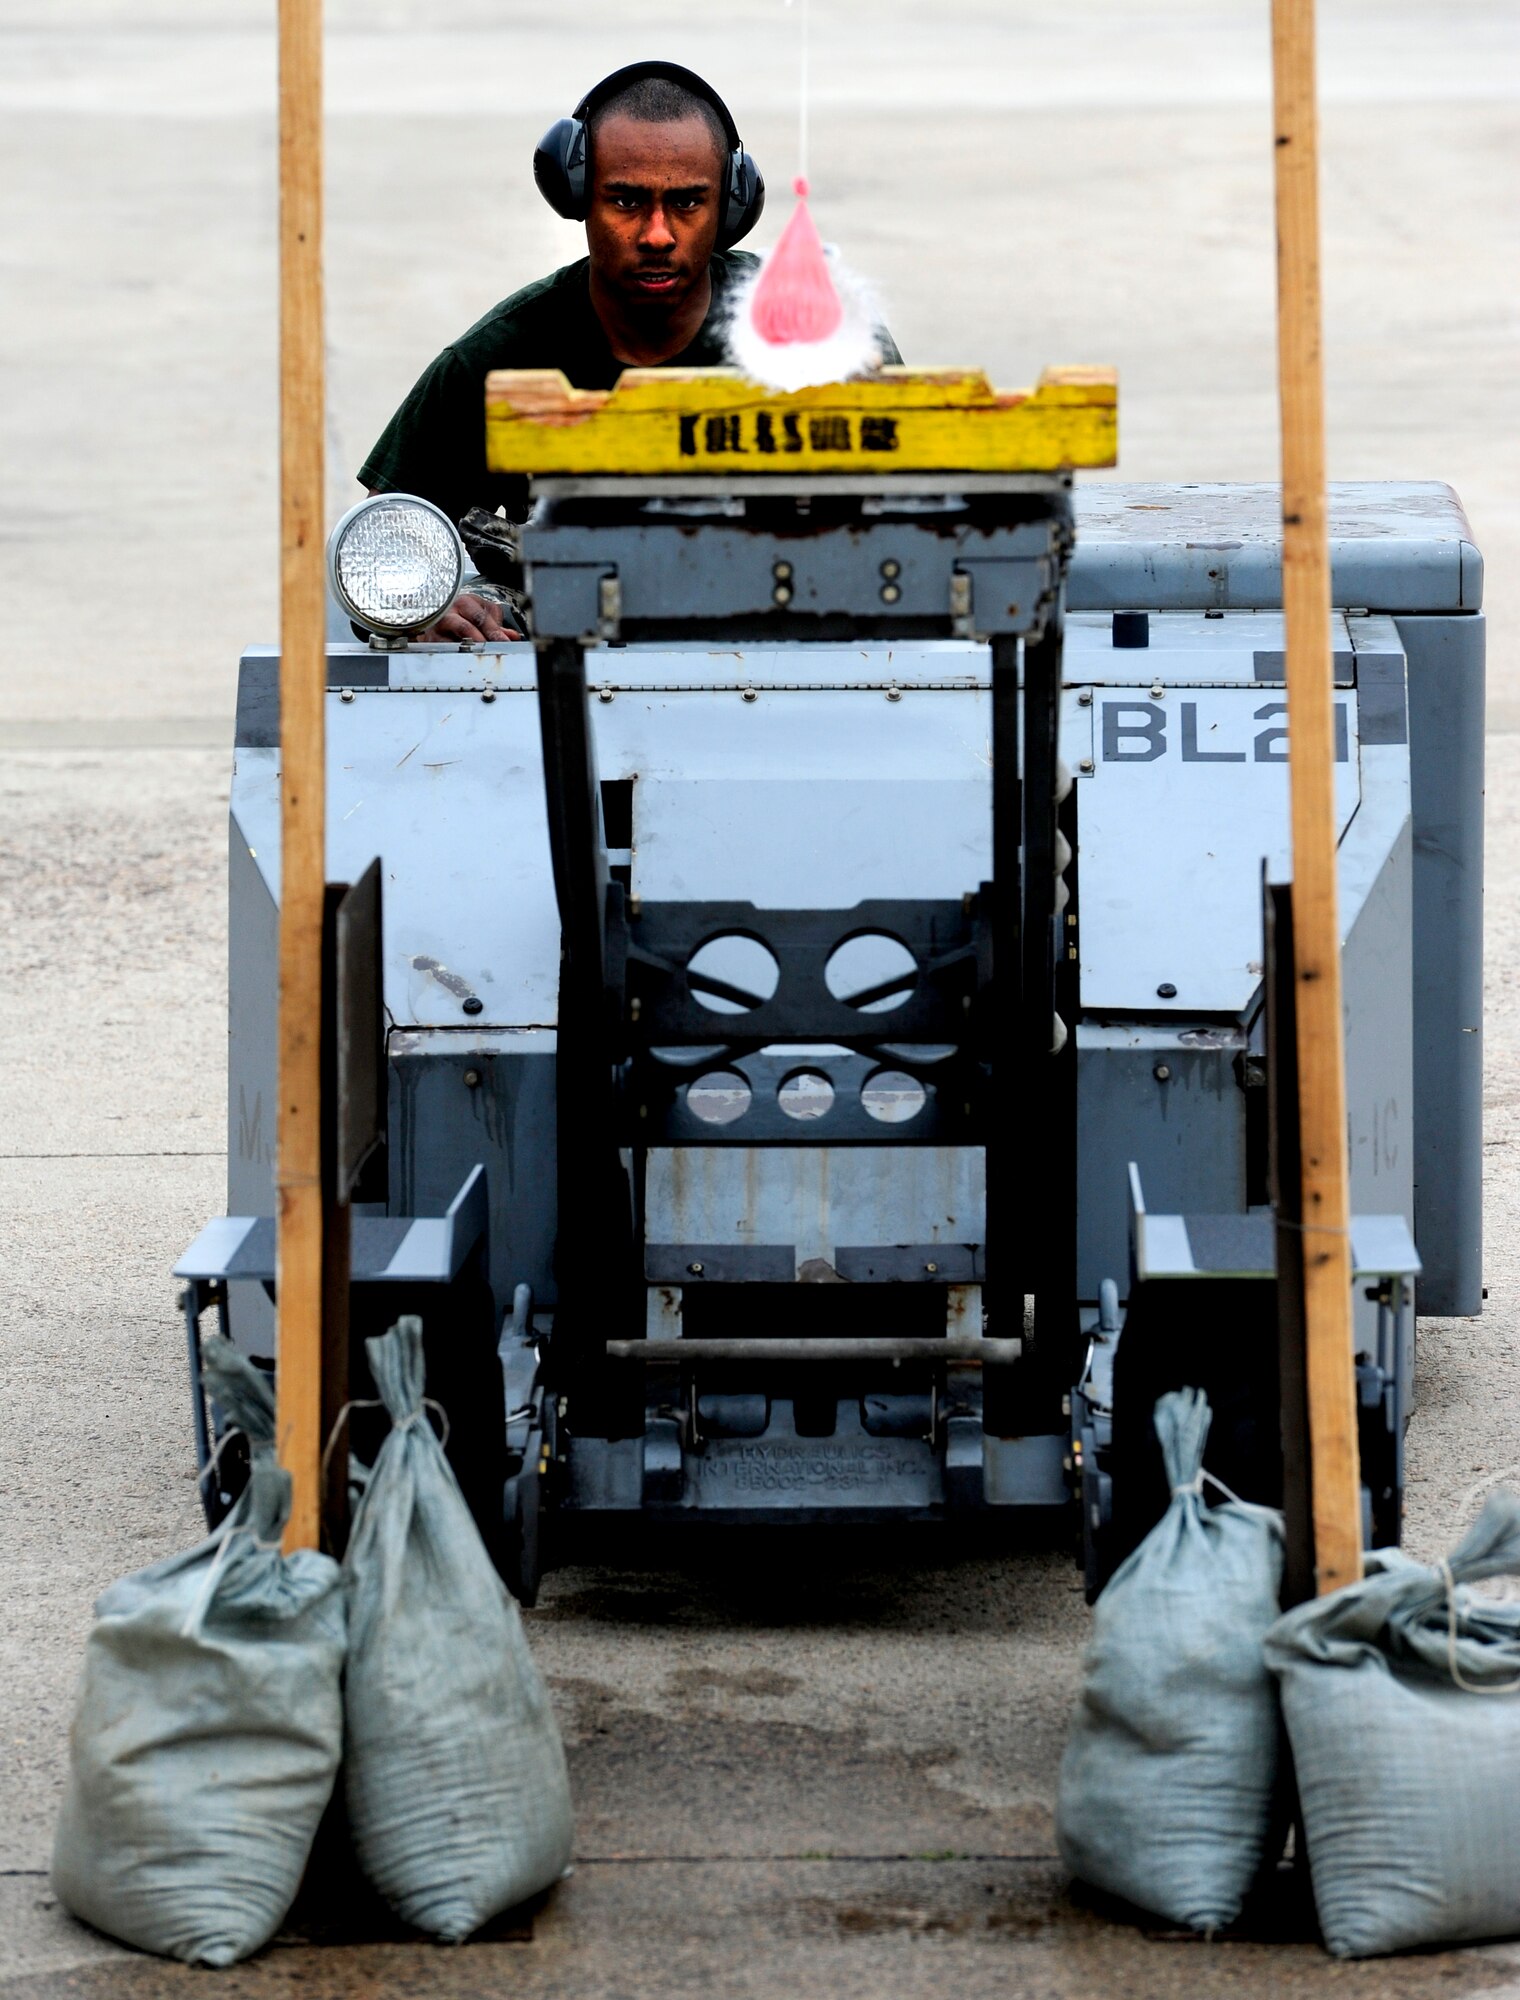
(395,562)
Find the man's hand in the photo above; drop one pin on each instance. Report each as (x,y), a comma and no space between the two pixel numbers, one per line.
(470,621)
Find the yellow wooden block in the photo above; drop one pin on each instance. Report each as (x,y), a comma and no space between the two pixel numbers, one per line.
(714,420)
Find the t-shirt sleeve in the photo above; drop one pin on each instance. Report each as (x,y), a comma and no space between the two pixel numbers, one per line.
(435,443)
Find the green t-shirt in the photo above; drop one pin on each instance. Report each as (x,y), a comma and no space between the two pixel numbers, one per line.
(435,445)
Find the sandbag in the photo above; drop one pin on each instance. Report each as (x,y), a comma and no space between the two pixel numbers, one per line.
(1166,1786)
(206,1739)
(1401,1695)
(245,1393)
(454,1776)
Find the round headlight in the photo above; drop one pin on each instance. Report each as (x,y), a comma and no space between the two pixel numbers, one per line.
(395,562)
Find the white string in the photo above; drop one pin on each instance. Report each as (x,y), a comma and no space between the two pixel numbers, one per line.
(358,1403)
(1201,1478)
(374,1403)
(802,93)
(1453,1615)
(1464,1505)
(427,1403)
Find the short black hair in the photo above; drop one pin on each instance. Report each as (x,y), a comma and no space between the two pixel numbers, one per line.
(659,100)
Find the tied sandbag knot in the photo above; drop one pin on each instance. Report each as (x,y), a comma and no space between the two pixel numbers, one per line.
(1182,1421)
(243,1391)
(401,1424)
(227,1534)
(1193,1488)
(418,1415)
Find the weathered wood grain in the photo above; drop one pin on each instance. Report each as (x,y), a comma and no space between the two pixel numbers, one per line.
(1330,1366)
(303,864)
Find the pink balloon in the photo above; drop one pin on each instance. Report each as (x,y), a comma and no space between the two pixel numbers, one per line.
(795,299)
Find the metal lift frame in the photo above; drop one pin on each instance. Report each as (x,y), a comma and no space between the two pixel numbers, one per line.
(985,969)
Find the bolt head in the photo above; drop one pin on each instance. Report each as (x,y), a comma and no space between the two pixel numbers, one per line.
(781,571)
(889,569)
(488,694)
(346,694)
(748,694)
(1084,698)
(472,1079)
(604,694)
(890,592)
(782,594)
(1162,1072)
(695,1270)
(1166,990)
(894,694)
(1086,765)
(474,1005)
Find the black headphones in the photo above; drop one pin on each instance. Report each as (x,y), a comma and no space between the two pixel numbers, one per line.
(561,158)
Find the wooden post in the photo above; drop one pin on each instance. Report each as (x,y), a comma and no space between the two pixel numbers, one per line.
(1330,1368)
(303,861)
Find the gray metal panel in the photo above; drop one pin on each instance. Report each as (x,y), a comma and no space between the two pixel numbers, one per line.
(1377,992)
(1395,545)
(448,789)
(667,571)
(216,1248)
(1187,649)
(1190,794)
(1024,1471)
(1381,1246)
(1446,687)
(906,664)
(253,927)
(441,1125)
(816,1200)
(1377,987)
(1382,709)
(851,1471)
(809,800)
(1186,1134)
(258,700)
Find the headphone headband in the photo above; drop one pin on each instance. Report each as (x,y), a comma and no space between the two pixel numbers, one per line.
(620,79)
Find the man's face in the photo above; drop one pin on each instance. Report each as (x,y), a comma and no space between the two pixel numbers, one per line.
(653,217)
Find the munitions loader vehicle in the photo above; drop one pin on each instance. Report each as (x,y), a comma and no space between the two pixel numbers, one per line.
(816,1037)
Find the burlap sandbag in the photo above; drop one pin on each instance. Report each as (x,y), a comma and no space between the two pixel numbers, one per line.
(1167,1781)
(455,1780)
(1402,1699)
(206,1740)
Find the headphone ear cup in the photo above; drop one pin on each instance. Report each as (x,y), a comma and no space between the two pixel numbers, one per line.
(746,202)
(559,167)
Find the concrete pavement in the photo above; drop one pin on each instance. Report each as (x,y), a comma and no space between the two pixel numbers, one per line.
(835,1773)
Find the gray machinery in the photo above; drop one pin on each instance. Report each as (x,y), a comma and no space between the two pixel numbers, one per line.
(824,1039)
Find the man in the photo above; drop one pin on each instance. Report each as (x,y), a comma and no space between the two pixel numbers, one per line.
(665,180)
